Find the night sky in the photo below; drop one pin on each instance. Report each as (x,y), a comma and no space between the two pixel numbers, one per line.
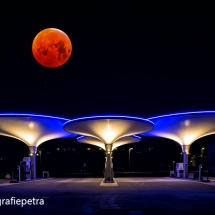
(136,59)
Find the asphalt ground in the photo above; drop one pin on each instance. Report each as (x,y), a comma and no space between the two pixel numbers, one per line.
(139,195)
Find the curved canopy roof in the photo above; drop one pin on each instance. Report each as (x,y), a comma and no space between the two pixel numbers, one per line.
(32,129)
(108,129)
(184,128)
(117,143)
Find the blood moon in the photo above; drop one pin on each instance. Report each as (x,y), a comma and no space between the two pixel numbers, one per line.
(51,47)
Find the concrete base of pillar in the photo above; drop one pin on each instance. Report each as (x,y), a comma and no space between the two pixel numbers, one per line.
(111,184)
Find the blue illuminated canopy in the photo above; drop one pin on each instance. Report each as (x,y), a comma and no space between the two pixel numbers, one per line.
(108,131)
(32,129)
(184,128)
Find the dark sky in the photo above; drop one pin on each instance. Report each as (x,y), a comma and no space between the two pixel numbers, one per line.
(136,59)
(130,59)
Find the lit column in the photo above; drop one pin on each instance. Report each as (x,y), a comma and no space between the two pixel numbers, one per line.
(108,171)
(33,152)
(185,151)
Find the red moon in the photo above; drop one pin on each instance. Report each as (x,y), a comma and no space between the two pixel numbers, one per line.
(51,47)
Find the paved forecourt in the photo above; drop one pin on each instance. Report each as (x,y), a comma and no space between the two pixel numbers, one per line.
(132,196)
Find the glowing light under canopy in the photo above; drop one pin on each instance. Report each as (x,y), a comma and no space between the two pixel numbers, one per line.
(108,129)
(99,143)
(32,129)
(184,128)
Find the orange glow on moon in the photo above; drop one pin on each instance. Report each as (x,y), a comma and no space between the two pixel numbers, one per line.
(51,47)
